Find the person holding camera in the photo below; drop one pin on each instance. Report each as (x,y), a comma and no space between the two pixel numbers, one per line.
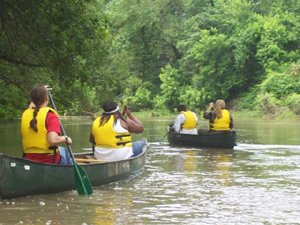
(111,133)
(219,118)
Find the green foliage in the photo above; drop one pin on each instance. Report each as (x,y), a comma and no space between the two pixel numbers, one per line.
(293,102)
(137,94)
(190,96)
(55,43)
(170,87)
(281,85)
(12,102)
(248,101)
(141,100)
(277,91)
(151,54)
(267,103)
(213,59)
(278,41)
(147,30)
(60,36)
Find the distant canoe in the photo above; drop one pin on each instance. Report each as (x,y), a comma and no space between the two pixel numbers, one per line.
(205,138)
(21,177)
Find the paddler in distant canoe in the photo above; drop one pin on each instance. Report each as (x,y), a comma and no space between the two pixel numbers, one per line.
(186,121)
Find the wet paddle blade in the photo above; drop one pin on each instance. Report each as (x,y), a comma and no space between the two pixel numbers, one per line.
(82,182)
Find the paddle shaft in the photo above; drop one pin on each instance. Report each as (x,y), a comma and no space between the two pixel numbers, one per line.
(83,185)
(163,138)
(61,126)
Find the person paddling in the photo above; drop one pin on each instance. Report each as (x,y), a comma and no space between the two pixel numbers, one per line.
(40,129)
(186,121)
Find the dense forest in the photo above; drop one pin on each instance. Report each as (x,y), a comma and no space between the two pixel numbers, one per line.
(151,54)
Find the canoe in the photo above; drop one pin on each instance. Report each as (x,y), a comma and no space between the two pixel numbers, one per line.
(205,138)
(21,177)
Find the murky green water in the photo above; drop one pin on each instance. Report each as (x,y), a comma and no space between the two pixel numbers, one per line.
(256,183)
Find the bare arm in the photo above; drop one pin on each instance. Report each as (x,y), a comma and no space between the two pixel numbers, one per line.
(210,107)
(54,139)
(132,124)
(208,113)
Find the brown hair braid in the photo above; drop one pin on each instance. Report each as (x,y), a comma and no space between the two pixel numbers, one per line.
(38,96)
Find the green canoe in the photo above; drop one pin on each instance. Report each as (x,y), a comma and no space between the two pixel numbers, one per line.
(205,138)
(20,177)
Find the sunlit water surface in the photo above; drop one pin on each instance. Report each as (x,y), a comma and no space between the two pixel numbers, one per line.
(258,182)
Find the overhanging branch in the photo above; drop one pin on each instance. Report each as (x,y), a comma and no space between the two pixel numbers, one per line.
(19,62)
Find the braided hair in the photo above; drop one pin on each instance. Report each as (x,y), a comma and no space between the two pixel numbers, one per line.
(38,95)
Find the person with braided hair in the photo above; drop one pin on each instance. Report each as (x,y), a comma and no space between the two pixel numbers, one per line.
(41,133)
(111,134)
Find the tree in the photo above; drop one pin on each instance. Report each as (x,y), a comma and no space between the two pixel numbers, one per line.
(53,42)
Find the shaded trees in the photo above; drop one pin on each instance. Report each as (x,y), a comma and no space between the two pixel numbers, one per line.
(53,42)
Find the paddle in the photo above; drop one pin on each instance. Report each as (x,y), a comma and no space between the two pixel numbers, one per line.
(163,138)
(82,182)
(165,135)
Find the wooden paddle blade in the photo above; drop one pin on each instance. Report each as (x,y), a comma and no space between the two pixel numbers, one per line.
(82,182)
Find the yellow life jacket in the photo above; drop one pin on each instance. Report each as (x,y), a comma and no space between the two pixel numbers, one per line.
(106,137)
(221,123)
(36,142)
(190,120)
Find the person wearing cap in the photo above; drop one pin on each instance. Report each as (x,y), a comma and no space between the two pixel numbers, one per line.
(40,130)
(186,122)
(219,117)
(111,134)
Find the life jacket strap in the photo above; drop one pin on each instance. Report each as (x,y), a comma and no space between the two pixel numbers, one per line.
(123,135)
(123,143)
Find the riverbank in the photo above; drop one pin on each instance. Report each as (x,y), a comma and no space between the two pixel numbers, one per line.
(236,114)
(287,115)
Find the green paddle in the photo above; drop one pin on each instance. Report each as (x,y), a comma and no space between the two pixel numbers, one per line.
(82,182)
(165,135)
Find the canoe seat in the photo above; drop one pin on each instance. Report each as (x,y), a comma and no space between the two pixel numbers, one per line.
(88,159)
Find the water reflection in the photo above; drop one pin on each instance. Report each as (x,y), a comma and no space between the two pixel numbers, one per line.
(189,162)
(221,163)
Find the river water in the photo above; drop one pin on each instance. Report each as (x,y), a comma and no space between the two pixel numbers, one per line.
(258,182)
